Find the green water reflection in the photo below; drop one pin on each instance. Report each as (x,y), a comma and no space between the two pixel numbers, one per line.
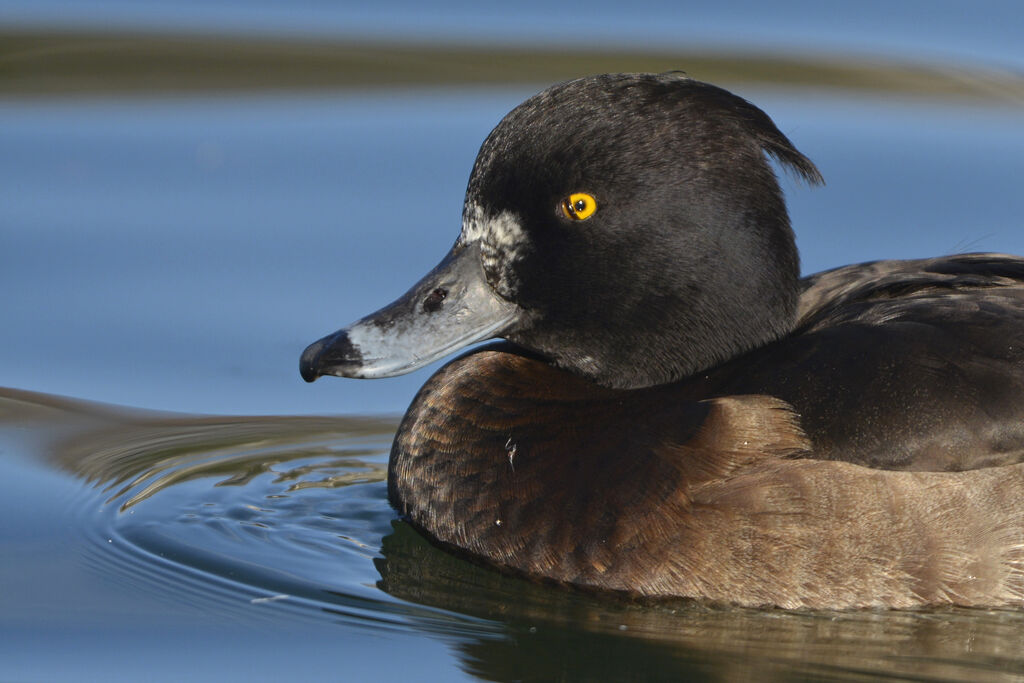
(90,63)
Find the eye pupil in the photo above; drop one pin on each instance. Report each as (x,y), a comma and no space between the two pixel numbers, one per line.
(581,204)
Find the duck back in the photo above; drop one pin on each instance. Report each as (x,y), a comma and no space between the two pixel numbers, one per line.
(915,365)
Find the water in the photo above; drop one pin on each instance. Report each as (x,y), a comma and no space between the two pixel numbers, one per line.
(262,546)
(950,32)
(176,251)
(178,254)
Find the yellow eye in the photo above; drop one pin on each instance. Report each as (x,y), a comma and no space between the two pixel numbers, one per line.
(579,206)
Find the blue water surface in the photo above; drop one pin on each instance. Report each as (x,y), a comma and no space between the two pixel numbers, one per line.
(177,253)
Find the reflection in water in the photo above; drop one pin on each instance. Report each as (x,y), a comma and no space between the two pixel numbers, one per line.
(559,635)
(135,460)
(141,453)
(62,63)
(286,519)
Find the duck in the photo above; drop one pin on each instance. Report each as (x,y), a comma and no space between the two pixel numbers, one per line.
(670,411)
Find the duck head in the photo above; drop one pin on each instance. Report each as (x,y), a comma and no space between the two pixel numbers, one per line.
(627,228)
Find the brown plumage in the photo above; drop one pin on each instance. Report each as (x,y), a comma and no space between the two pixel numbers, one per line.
(717,499)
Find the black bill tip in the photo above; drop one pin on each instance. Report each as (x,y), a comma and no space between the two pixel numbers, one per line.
(328,356)
(309,363)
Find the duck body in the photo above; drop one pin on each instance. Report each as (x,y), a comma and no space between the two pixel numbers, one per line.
(760,482)
(675,413)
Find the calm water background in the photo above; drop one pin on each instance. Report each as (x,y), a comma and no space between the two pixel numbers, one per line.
(174,247)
